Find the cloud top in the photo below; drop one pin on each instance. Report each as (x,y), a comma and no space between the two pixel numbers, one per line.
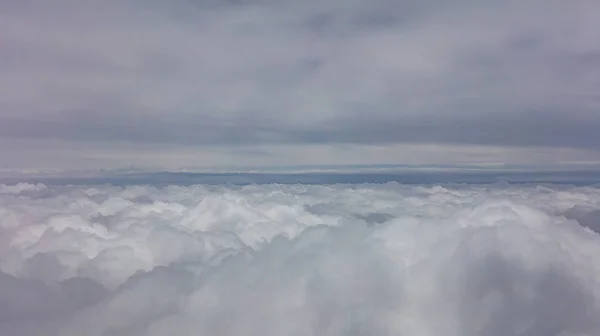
(308,260)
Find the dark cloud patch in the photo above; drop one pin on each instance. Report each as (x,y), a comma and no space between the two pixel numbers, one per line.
(587,218)
(524,129)
(32,307)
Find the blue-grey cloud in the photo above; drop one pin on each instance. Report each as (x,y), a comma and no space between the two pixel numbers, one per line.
(530,129)
(509,73)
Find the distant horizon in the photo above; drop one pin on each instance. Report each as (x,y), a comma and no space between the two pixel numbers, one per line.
(339,175)
(328,168)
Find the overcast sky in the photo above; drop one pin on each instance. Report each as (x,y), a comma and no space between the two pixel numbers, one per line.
(184,83)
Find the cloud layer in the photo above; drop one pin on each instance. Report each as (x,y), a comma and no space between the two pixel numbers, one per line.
(299,260)
(191,73)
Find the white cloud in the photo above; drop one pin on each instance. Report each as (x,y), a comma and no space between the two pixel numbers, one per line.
(299,260)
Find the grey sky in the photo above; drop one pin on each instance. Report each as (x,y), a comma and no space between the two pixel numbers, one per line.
(115,83)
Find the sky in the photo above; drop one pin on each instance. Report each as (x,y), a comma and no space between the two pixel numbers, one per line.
(201,83)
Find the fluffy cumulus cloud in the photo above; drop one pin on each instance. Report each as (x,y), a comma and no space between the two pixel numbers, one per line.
(220,76)
(384,259)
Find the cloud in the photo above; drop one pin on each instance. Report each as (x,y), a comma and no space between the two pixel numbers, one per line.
(298,259)
(586,217)
(203,73)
